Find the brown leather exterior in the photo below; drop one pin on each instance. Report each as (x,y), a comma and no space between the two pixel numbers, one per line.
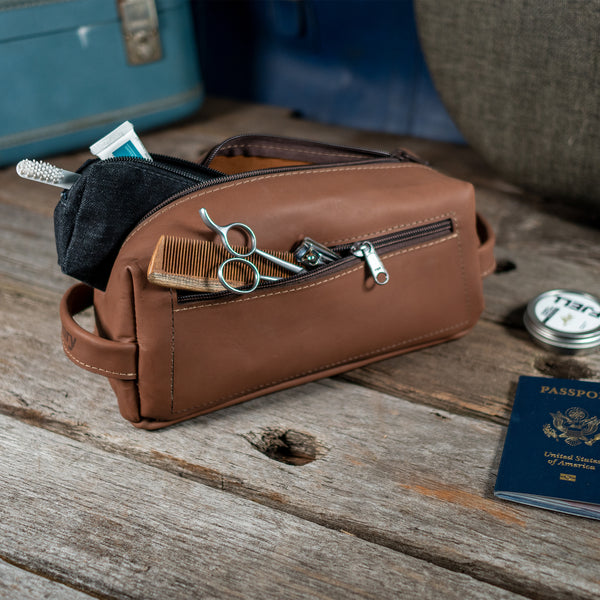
(192,358)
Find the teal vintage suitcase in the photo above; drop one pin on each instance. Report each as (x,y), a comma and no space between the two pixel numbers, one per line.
(72,69)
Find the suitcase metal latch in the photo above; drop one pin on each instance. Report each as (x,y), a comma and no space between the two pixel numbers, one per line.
(139,24)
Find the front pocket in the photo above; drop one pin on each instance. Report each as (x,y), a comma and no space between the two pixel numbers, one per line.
(228,350)
(348,253)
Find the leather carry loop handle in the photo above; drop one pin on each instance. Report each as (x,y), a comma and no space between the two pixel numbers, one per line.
(487,239)
(117,360)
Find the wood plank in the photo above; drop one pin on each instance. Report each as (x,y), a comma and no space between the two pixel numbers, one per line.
(540,228)
(403,475)
(476,375)
(24,585)
(28,251)
(406,476)
(507,293)
(114,527)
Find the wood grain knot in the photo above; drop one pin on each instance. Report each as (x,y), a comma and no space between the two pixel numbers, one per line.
(504,266)
(563,368)
(286,445)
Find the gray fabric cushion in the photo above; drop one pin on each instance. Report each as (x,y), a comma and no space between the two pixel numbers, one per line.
(521,81)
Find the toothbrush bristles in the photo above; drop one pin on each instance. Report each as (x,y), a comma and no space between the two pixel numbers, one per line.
(44,172)
(39,170)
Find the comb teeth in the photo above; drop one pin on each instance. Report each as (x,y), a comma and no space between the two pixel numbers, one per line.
(44,172)
(193,264)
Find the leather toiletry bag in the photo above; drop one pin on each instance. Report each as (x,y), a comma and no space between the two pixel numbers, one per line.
(409,254)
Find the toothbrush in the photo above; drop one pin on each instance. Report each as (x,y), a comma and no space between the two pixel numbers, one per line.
(38,170)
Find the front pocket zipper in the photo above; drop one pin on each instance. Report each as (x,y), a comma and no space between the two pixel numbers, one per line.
(371,251)
(367,251)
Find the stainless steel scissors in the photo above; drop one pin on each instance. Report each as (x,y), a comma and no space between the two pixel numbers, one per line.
(242,257)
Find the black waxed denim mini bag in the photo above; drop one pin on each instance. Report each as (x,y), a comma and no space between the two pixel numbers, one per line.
(93,218)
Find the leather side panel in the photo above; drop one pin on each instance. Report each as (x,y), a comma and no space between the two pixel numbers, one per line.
(115,320)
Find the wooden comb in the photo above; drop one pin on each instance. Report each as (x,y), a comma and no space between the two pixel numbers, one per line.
(189,264)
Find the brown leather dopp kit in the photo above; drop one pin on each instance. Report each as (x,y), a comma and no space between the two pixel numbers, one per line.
(171,355)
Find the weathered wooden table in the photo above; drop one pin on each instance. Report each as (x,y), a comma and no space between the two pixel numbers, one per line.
(387,491)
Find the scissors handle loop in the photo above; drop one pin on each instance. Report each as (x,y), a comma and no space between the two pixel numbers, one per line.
(242,257)
(224,234)
(256,277)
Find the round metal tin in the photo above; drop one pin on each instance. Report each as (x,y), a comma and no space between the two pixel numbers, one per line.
(564,320)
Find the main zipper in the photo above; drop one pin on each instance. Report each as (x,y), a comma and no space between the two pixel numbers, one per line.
(207,177)
(189,170)
(249,174)
(370,250)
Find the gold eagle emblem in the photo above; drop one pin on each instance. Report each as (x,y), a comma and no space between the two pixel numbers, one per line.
(574,427)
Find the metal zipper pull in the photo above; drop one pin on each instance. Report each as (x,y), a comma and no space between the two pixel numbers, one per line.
(367,251)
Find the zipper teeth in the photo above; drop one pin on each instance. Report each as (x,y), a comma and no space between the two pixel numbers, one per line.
(406,235)
(193,167)
(162,162)
(386,242)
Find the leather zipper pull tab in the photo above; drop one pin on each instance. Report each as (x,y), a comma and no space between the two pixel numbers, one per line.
(367,251)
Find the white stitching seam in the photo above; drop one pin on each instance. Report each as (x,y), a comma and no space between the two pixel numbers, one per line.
(96,369)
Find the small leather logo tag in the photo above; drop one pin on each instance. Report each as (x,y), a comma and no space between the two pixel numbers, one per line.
(68,340)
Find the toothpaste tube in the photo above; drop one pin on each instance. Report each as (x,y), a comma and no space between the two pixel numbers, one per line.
(122,141)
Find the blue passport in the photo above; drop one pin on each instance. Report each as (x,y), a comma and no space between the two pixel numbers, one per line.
(551,456)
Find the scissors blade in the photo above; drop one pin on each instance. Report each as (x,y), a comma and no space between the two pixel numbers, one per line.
(280,262)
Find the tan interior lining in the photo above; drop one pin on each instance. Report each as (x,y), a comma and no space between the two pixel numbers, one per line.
(231,165)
